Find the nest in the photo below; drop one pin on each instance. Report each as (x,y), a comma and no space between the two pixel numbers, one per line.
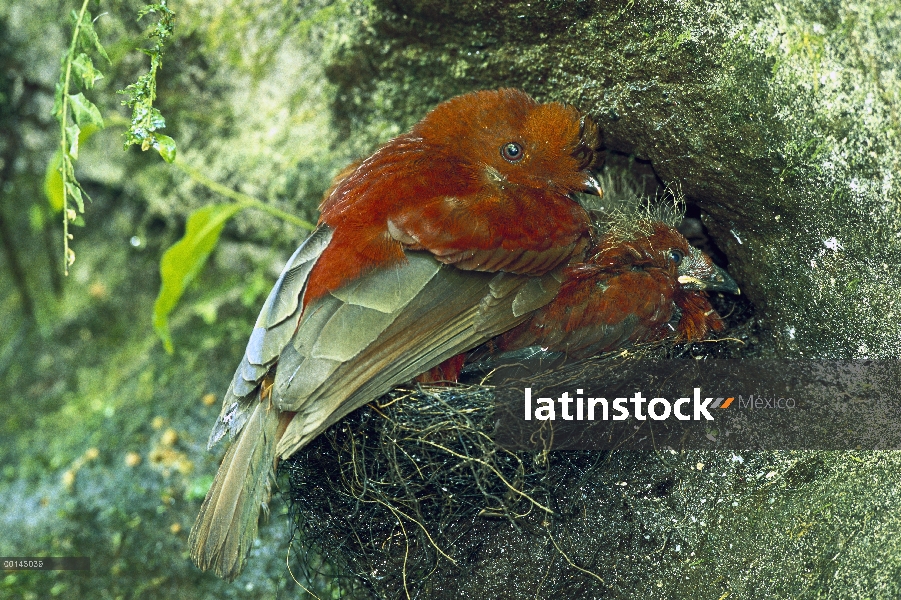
(406,495)
(410,497)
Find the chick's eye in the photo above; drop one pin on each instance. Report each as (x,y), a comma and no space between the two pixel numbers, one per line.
(676,256)
(512,151)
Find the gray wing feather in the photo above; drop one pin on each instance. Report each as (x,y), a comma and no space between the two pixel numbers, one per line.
(349,331)
(284,299)
(389,350)
(370,305)
(537,292)
(275,325)
(336,329)
(274,328)
(600,338)
(391,289)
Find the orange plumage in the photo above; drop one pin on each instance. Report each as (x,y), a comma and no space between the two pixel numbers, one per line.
(446,187)
(445,237)
(645,288)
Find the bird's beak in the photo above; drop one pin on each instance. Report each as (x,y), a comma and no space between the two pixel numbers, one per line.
(717,281)
(591,186)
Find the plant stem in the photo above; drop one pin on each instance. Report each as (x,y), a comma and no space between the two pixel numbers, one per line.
(62,125)
(243,199)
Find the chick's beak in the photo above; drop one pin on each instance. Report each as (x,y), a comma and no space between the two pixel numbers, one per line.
(591,186)
(697,272)
(715,281)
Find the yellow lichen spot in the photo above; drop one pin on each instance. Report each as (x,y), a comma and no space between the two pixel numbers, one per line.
(161,456)
(91,454)
(175,528)
(132,459)
(69,479)
(158,422)
(208,399)
(97,290)
(170,436)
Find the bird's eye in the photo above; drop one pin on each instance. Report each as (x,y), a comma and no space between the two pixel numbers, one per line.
(676,256)
(512,152)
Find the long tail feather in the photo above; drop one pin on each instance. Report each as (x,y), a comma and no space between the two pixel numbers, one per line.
(227,524)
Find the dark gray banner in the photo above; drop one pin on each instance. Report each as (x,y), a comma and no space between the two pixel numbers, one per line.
(45,563)
(700,404)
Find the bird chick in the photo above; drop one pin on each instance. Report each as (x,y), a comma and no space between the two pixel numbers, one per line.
(647,288)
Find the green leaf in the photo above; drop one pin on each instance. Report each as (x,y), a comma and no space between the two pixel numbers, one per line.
(68,170)
(74,132)
(156,120)
(53,182)
(182,262)
(75,191)
(84,69)
(90,36)
(165,145)
(84,111)
(53,178)
(58,98)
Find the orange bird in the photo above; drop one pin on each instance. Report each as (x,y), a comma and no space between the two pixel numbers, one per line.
(638,285)
(445,237)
